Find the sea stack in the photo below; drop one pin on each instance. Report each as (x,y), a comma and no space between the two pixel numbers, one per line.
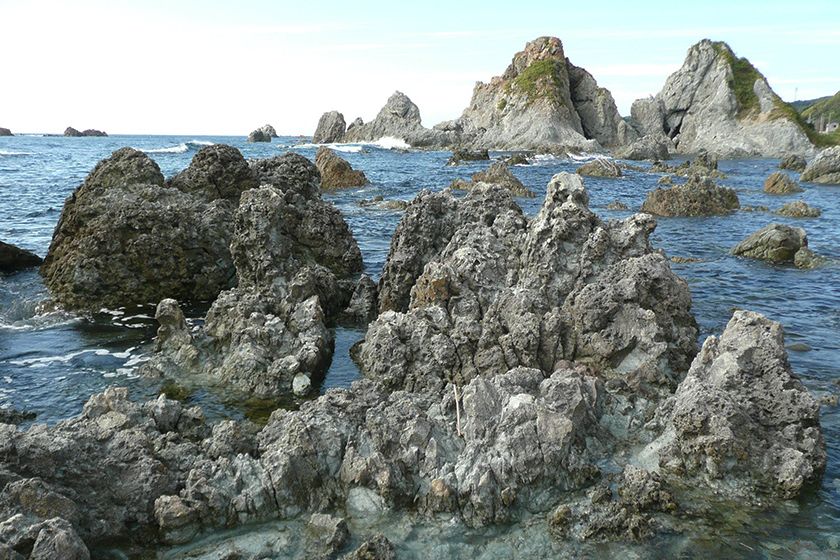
(5,132)
(70,131)
(331,128)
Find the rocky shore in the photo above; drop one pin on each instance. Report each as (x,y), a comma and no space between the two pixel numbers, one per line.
(514,369)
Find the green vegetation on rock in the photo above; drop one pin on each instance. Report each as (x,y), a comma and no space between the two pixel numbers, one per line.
(829,108)
(744,75)
(540,79)
(784,110)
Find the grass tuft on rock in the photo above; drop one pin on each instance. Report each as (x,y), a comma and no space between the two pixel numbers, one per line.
(541,79)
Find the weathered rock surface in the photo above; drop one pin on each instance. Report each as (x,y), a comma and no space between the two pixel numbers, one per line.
(335,172)
(781,183)
(699,196)
(799,209)
(13,259)
(497,174)
(5,132)
(543,100)
(599,167)
(376,547)
(331,128)
(259,135)
(722,104)
(777,243)
(825,168)
(741,420)
(14,416)
(704,164)
(650,147)
(497,291)
(460,154)
(126,237)
(793,162)
(296,261)
(70,131)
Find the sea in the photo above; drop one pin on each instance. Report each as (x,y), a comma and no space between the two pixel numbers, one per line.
(52,361)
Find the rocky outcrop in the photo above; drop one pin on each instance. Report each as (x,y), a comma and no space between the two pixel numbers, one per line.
(330,128)
(125,236)
(704,165)
(793,162)
(778,243)
(13,259)
(296,263)
(400,118)
(460,155)
(799,209)
(258,136)
(335,172)
(599,167)
(543,100)
(825,168)
(723,104)
(699,196)
(781,183)
(5,132)
(497,174)
(497,291)
(649,147)
(269,130)
(70,131)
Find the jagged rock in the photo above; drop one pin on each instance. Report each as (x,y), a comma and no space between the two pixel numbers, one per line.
(268,129)
(516,159)
(649,147)
(58,541)
(364,303)
(798,209)
(460,154)
(357,122)
(825,168)
(542,100)
(599,167)
(259,135)
(70,131)
(327,535)
(617,205)
(376,547)
(5,132)
(648,117)
(399,118)
(741,421)
(777,243)
(496,291)
(703,164)
(806,258)
(497,174)
(724,105)
(331,128)
(14,416)
(295,258)
(793,162)
(125,237)
(336,173)
(699,196)
(13,259)
(780,183)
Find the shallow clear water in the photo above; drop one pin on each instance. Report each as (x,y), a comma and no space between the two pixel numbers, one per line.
(50,363)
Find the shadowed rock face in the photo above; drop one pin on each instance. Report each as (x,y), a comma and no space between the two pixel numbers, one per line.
(331,128)
(825,168)
(336,173)
(126,237)
(722,104)
(778,243)
(5,132)
(14,258)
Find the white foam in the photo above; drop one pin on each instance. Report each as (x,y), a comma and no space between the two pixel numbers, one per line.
(179,149)
(200,143)
(391,143)
(385,143)
(347,148)
(586,157)
(47,360)
(13,153)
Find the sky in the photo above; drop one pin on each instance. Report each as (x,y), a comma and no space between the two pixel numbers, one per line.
(212,67)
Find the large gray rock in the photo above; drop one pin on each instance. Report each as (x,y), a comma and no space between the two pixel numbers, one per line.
(335,172)
(825,168)
(699,196)
(296,261)
(741,421)
(778,243)
(13,259)
(70,131)
(497,174)
(330,128)
(499,291)
(5,132)
(722,104)
(259,135)
(126,237)
(648,147)
(793,162)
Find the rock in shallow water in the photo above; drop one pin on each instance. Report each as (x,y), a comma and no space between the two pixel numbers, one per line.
(13,259)
(600,167)
(335,172)
(497,174)
(778,243)
(793,162)
(330,128)
(699,196)
(780,183)
(825,168)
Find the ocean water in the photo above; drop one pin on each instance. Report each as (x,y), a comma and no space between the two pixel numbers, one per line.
(51,362)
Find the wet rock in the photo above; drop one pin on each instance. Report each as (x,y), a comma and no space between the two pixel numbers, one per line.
(825,169)
(14,416)
(793,162)
(330,128)
(336,173)
(799,209)
(499,291)
(516,159)
(617,205)
(376,547)
(685,260)
(699,196)
(741,421)
(497,174)
(460,155)
(327,534)
(780,183)
(259,135)
(364,303)
(380,202)
(777,243)
(703,164)
(13,259)
(126,238)
(649,147)
(600,167)
(806,258)
(5,132)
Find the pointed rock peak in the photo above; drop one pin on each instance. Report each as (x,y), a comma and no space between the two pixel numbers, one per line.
(541,50)
(399,105)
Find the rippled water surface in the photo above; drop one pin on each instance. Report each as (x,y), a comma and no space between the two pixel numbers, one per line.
(51,362)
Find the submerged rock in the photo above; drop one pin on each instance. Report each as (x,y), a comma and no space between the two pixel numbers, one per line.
(780,183)
(799,209)
(793,162)
(330,128)
(825,168)
(778,243)
(336,173)
(13,259)
(460,154)
(126,237)
(599,167)
(699,196)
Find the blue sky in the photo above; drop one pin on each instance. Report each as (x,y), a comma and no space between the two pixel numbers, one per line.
(225,68)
